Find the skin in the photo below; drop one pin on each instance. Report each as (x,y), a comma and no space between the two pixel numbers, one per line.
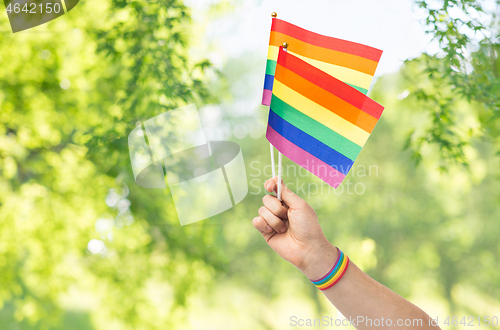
(292,230)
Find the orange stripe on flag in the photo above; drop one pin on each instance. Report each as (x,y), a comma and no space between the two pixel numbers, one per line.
(324,98)
(330,84)
(326,55)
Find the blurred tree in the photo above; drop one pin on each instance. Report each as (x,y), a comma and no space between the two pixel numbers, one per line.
(468,67)
(70,92)
(76,233)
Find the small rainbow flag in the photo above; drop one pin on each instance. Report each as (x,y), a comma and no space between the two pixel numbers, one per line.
(317,120)
(350,62)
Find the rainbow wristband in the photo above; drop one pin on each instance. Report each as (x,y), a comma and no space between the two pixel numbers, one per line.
(335,274)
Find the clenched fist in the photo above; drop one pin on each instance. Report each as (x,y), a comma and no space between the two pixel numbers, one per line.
(291,229)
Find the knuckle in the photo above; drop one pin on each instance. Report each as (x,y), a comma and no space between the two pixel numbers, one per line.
(256,222)
(268,200)
(275,222)
(265,198)
(276,210)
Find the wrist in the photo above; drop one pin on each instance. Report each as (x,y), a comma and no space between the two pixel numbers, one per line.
(319,261)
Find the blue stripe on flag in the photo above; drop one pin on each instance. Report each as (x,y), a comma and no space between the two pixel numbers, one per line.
(306,142)
(268,83)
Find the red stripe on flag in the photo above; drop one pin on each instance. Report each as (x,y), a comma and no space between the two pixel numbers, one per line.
(326,42)
(329,84)
(325,99)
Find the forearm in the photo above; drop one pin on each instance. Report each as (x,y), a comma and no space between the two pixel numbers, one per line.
(360,298)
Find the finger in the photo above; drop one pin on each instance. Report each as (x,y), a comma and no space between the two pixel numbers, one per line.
(275,206)
(288,196)
(276,223)
(270,185)
(260,224)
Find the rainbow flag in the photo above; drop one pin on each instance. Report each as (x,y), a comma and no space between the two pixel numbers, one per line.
(317,120)
(350,62)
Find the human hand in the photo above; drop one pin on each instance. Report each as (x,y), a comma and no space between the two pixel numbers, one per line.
(292,230)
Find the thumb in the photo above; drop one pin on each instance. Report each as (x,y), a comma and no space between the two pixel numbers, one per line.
(288,196)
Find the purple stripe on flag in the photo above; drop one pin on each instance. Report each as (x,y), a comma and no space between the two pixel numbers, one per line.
(317,167)
(266,97)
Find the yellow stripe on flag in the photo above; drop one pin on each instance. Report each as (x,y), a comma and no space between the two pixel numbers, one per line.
(346,75)
(272,53)
(320,114)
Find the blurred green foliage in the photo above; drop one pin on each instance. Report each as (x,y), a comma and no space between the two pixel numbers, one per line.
(63,150)
(467,68)
(65,179)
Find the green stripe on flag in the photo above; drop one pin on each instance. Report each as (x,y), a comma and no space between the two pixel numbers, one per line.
(271,67)
(315,129)
(362,90)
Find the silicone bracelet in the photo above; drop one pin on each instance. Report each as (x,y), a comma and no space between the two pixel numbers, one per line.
(335,274)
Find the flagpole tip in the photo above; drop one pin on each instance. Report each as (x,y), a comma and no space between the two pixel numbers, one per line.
(274,15)
(285,45)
